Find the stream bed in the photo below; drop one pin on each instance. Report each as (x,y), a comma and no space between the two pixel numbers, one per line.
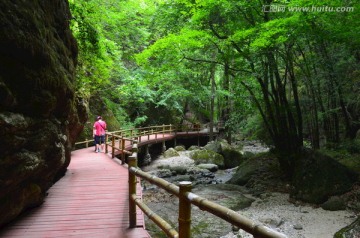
(272,209)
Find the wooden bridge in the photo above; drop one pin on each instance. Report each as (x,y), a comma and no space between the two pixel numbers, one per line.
(97,195)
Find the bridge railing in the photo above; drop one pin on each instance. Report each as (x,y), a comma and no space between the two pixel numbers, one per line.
(141,133)
(117,140)
(186,198)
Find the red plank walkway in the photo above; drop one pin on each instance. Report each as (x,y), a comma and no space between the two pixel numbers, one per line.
(91,200)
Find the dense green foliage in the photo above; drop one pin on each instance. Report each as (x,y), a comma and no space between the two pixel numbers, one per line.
(287,71)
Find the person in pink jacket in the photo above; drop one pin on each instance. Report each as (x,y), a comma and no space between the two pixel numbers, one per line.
(99,134)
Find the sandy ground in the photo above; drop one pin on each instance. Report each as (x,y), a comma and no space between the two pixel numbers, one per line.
(310,222)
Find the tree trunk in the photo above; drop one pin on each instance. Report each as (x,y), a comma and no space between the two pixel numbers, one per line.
(212,101)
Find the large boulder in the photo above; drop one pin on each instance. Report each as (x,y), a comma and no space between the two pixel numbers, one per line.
(171,152)
(232,156)
(245,172)
(213,146)
(260,174)
(207,157)
(40,115)
(180,148)
(318,177)
(335,203)
(194,147)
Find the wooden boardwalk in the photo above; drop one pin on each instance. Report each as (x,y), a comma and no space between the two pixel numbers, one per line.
(91,200)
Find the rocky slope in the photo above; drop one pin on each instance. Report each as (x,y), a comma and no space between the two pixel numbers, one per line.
(39,113)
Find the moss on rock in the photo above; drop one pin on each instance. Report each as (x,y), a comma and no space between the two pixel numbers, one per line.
(171,152)
(318,177)
(244,172)
(232,156)
(351,231)
(207,157)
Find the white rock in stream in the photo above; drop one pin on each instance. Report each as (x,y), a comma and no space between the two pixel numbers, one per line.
(169,163)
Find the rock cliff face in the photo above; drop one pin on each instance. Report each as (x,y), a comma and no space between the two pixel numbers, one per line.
(40,115)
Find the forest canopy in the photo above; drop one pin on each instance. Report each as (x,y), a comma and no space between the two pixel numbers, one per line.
(286,72)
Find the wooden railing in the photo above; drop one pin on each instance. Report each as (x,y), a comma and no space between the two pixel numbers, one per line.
(186,198)
(116,140)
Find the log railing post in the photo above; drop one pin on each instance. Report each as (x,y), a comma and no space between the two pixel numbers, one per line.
(106,143)
(132,186)
(112,146)
(122,150)
(184,210)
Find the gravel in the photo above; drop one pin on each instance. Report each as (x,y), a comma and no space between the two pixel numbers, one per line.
(295,221)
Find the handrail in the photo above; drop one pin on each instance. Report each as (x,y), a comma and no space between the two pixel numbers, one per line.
(186,198)
(116,140)
(131,135)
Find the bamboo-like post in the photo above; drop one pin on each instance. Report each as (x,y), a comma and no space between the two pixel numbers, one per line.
(132,187)
(112,146)
(184,210)
(106,142)
(122,150)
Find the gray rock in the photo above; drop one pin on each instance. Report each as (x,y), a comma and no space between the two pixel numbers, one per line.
(298,227)
(244,172)
(334,203)
(272,222)
(179,169)
(208,157)
(194,147)
(179,148)
(213,146)
(180,178)
(163,173)
(232,156)
(318,177)
(210,167)
(171,152)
